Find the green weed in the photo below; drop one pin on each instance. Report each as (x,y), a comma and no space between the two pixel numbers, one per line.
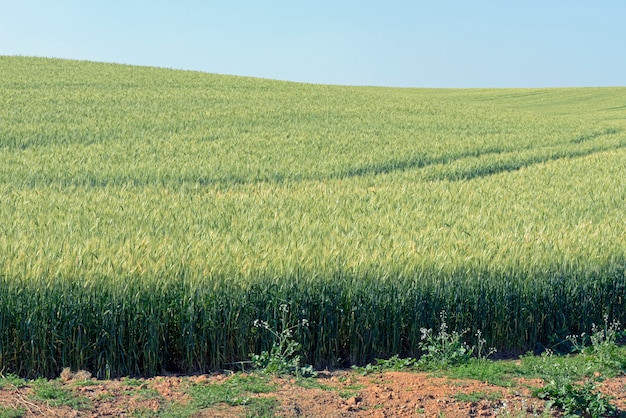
(444,348)
(282,357)
(11,381)
(8,412)
(601,356)
(52,393)
(236,391)
(448,348)
(576,399)
(477,396)
(600,347)
(394,363)
(499,373)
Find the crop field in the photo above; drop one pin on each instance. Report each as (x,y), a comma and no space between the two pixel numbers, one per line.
(149,216)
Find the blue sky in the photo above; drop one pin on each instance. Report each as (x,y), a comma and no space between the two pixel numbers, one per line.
(435,43)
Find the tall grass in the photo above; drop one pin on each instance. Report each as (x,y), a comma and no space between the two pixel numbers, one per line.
(149,216)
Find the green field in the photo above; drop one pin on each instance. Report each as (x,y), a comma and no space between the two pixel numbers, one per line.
(149,216)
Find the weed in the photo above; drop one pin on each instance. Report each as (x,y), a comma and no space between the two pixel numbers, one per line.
(600,347)
(394,363)
(132,382)
(106,397)
(443,349)
(171,410)
(51,392)
(349,391)
(480,350)
(236,391)
(576,399)
(261,407)
(147,394)
(347,378)
(367,369)
(499,373)
(313,384)
(477,396)
(439,351)
(84,383)
(283,357)
(7,412)
(598,353)
(11,381)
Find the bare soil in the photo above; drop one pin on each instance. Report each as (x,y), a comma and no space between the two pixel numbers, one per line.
(332,394)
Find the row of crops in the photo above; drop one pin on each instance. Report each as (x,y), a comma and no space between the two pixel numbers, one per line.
(149,216)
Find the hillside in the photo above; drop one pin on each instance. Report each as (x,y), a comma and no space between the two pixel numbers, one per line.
(149,216)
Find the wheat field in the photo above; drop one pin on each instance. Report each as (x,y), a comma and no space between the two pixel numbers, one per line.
(149,216)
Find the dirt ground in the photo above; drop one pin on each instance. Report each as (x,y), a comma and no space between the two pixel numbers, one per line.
(332,394)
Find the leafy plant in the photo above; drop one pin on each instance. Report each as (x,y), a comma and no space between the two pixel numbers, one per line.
(600,347)
(394,363)
(282,357)
(598,352)
(447,348)
(444,348)
(576,399)
(480,350)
